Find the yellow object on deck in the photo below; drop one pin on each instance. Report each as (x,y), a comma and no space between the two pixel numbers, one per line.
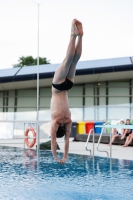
(81,128)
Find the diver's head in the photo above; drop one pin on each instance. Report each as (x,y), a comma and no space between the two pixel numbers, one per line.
(61,131)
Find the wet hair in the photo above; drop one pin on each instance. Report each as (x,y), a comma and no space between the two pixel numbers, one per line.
(61,131)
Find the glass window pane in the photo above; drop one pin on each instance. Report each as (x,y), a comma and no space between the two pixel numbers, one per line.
(89,89)
(102,113)
(45,92)
(8,115)
(132,114)
(118,91)
(24,116)
(118,84)
(118,101)
(118,112)
(45,129)
(11,101)
(10,109)
(45,101)
(27,93)
(89,101)
(11,93)
(26,102)
(75,91)
(132,82)
(1,104)
(6,130)
(1,115)
(18,130)
(103,85)
(102,101)
(89,113)
(44,114)
(75,101)
(102,91)
(25,109)
(76,114)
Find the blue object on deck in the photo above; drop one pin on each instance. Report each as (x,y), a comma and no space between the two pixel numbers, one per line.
(98,129)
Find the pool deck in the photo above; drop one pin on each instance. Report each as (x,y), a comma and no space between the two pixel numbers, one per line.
(118,151)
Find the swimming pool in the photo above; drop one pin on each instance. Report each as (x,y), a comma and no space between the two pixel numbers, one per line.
(82,177)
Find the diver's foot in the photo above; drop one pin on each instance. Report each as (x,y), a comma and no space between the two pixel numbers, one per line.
(74,29)
(79,27)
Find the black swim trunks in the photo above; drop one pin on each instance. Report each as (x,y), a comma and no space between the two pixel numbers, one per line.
(66,85)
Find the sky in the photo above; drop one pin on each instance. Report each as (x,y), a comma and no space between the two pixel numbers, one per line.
(107,25)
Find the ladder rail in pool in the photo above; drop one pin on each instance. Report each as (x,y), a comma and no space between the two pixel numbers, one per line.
(108,125)
(100,140)
(87,141)
(86,146)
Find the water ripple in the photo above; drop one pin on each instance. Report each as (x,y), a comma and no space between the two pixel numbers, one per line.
(82,177)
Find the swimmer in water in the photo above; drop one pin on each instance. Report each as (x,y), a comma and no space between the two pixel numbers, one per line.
(62,82)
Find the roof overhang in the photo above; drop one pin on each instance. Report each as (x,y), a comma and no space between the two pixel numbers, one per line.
(86,72)
(79,79)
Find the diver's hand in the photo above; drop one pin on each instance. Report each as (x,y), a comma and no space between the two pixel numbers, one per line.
(61,161)
(57,160)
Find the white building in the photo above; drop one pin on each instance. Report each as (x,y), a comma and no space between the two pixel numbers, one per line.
(103,90)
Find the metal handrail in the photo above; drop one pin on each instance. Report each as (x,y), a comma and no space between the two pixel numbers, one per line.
(100,140)
(86,146)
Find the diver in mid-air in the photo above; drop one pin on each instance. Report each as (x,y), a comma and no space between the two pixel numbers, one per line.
(62,82)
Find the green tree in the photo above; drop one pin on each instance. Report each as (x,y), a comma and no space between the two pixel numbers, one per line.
(30,61)
(41,61)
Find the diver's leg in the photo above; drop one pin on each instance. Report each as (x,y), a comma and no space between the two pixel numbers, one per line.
(78,52)
(62,71)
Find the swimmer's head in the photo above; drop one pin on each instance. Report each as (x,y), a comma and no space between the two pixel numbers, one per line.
(61,131)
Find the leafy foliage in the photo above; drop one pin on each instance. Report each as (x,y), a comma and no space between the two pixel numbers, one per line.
(30,61)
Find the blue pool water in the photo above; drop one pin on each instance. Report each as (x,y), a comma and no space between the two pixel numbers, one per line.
(82,177)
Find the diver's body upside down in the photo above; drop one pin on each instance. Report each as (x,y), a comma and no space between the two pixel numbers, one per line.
(63,81)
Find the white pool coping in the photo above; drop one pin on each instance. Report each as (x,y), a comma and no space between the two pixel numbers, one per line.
(118,151)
